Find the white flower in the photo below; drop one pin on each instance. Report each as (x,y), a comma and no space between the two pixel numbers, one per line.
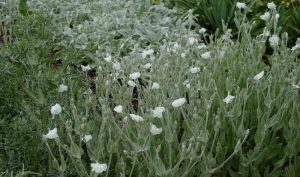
(87,138)
(274,40)
(155,130)
(62,88)
(271,6)
(98,168)
(179,102)
(266,16)
(155,85)
(258,76)
(116,66)
(134,75)
(131,83)
(52,134)
(241,5)
(147,66)
(201,46)
(107,58)
(136,118)
(202,30)
(296,86)
(118,109)
(157,112)
(85,68)
(297,46)
(206,55)
(146,53)
(56,109)
(183,55)
(192,40)
(194,70)
(277,16)
(228,99)
(188,86)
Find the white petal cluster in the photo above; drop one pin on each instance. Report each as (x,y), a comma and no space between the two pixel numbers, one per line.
(87,138)
(154,130)
(155,85)
(266,16)
(98,168)
(201,46)
(107,58)
(131,83)
(118,109)
(192,40)
(178,102)
(271,6)
(62,88)
(295,86)
(183,55)
(241,5)
(52,134)
(136,118)
(147,66)
(296,47)
(194,70)
(56,109)
(258,76)
(228,99)
(85,68)
(134,75)
(206,55)
(157,112)
(146,53)
(202,30)
(274,40)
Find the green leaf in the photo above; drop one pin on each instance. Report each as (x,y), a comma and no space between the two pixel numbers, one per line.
(27,173)
(23,8)
(112,146)
(76,151)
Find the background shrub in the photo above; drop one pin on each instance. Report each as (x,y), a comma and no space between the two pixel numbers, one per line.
(214,14)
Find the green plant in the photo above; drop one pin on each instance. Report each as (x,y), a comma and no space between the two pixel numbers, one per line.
(214,14)
(211,14)
(295,18)
(22,103)
(23,8)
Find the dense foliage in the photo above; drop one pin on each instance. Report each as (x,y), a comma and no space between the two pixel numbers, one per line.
(129,88)
(214,14)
